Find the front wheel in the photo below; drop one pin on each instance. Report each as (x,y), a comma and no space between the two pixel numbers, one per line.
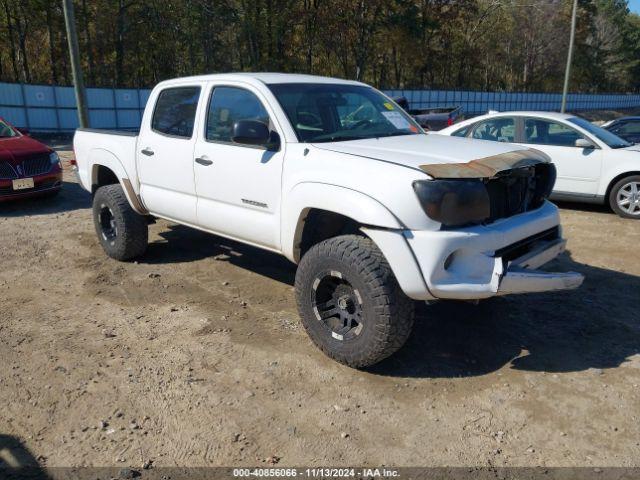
(350,302)
(122,232)
(625,197)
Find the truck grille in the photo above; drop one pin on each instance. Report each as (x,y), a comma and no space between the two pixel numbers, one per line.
(7,172)
(36,165)
(520,190)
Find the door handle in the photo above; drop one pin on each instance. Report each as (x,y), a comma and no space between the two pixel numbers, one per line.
(204,161)
(147,152)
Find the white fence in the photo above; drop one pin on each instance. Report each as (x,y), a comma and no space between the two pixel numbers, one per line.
(53,109)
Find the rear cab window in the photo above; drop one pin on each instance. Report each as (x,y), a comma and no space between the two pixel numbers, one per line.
(175,111)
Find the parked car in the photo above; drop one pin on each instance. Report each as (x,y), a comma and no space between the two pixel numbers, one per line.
(432,119)
(593,164)
(374,212)
(27,167)
(625,127)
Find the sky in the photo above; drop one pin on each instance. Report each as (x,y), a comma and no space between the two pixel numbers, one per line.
(634,6)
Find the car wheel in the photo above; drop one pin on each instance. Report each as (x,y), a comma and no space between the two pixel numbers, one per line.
(350,302)
(122,232)
(624,197)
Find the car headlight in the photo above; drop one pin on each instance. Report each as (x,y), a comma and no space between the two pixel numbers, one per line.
(454,203)
(54,158)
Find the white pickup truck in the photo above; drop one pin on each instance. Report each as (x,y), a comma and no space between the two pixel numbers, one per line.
(333,175)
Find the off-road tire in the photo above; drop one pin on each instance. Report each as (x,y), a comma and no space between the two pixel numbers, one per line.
(613,196)
(131,234)
(387,313)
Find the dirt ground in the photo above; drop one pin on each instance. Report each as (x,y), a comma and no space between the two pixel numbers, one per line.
(194,356)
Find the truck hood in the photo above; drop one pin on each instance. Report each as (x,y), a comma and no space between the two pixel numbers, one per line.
(441,156)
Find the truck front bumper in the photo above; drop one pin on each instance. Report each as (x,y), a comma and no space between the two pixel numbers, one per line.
(481,261)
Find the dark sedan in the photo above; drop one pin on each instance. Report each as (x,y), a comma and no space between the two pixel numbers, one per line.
(625,127)
(27,167)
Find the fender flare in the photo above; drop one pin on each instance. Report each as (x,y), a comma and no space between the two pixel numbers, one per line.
(104,158)
(305,196)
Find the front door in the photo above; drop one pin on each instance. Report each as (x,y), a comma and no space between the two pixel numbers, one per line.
(165,155)
(578,168)
(238,186)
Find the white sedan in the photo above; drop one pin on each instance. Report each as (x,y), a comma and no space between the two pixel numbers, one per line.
(593,165)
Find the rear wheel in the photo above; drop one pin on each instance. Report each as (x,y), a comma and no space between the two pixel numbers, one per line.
(350,302)
(122,232)
(624,197)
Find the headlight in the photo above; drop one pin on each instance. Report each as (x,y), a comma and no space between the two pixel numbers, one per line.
(454,203)
(54,158)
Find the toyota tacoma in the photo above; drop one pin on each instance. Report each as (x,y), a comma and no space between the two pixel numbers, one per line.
(336,177)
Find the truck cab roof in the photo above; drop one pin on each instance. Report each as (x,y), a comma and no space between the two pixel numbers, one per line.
(261,77)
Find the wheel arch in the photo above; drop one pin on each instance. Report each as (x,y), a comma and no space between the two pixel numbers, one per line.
(615,180)
(341,209)
(106,169)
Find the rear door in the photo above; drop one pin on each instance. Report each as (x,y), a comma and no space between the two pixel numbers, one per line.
(238,186)
(165,154)
(578,168)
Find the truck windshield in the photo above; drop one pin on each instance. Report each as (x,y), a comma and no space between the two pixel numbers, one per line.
(322,112)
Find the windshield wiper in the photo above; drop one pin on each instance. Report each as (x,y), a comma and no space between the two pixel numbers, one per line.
(395,134)
(335,138)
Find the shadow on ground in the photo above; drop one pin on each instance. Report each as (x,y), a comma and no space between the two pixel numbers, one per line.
(182,244)
(17,462)
(71,197)
(596,326)
(584,207)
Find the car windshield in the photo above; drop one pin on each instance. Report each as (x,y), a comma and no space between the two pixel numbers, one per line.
(6,130)
(332,113)
(612,140)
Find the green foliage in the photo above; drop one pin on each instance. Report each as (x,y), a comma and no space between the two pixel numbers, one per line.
(461,44)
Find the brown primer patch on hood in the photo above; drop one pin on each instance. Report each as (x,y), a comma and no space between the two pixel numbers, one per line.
(487,167)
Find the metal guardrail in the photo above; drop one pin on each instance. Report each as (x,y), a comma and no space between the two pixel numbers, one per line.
(49,108)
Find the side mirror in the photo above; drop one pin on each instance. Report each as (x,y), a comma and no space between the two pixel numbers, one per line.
(584,143)
(23,131)
(251,132)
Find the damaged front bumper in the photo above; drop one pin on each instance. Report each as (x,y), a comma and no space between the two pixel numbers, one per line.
(522,276)
(498,259)
(478,262)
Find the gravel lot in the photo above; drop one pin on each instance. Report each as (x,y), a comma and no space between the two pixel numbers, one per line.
(195,356)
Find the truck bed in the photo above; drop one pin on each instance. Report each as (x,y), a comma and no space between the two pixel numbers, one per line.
(113,148)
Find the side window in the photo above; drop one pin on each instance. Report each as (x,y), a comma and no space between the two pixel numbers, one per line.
(229,105)
(546,132)
(502,129)
(632,128)
(462,132)
(175,111)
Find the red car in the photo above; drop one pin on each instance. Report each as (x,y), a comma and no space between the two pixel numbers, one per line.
(27,167)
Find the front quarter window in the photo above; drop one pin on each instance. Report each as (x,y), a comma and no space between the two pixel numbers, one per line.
(6,131)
